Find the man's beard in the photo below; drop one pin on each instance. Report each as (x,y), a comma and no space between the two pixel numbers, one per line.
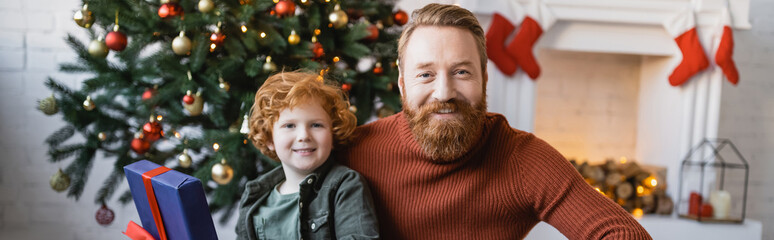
(448,139)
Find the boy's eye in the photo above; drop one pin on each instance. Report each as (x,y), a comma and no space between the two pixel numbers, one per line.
(289,125)
(317,125)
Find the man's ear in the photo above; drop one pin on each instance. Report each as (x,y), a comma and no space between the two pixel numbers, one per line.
(400,82)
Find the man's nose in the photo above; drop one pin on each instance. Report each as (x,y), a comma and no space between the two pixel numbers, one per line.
(444,89)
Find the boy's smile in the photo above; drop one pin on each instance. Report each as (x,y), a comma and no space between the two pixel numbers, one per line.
(302,138)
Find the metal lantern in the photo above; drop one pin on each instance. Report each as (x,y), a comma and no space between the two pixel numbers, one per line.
(713,183)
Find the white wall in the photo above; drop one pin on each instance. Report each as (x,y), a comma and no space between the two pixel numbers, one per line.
(747,110)
(32,45)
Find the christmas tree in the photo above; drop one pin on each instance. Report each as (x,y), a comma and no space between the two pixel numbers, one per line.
(173,81)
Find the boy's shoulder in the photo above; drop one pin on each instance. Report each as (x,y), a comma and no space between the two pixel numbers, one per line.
(340,173)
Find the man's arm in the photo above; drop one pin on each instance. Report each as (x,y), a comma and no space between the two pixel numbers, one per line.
(563,199)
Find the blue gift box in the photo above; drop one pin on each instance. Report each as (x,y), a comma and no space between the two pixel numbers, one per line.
(180,199)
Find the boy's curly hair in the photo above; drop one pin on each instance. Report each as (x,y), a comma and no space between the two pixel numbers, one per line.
(290,89)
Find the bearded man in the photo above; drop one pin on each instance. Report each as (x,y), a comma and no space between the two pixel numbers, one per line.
(444,168)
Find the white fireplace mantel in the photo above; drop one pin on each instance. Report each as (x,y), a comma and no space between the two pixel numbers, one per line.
(670,119)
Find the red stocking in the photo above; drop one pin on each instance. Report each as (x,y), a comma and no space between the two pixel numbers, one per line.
(521,46)
(694,60)
(495,44)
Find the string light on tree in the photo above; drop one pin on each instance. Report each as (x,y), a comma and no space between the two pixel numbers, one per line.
(216,38)
(222,173)
(101,136)
(84,17)
(181,45)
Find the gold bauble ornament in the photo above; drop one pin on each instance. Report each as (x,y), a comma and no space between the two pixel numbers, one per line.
(293,38)
(88,104)
(48,105)
(83,17)
(195,108)
(269,66)
(184,160)
(101,136)
(222,173)
(206,6)
(60,181)
(338,17)
(98,48)
(181,45)
(224,85)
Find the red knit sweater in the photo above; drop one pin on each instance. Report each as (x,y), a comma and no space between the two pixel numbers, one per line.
(501,189)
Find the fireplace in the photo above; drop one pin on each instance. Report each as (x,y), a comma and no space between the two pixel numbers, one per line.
(620,49)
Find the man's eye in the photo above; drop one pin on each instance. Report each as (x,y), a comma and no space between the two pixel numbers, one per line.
(463,72)
(424,75)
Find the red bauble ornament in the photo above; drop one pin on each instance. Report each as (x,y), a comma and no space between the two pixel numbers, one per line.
(140,146)
(152,131)
(116,41)
(285,8)
(217,38)
(148,94)
(378,68)
(104,215)
(170,9)
(373,33)
(400,17)
(318,50)
(188,99)
(346,87)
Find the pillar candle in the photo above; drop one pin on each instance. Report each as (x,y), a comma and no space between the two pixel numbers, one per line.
(721,203)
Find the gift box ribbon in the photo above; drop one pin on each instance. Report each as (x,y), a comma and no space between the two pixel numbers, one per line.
(135,232)
(154,206)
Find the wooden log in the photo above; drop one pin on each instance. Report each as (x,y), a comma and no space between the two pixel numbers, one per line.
(665,205)
(624,190)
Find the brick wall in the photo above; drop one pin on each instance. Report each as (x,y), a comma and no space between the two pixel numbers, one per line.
(32,45)
(587,104)
(747,110)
